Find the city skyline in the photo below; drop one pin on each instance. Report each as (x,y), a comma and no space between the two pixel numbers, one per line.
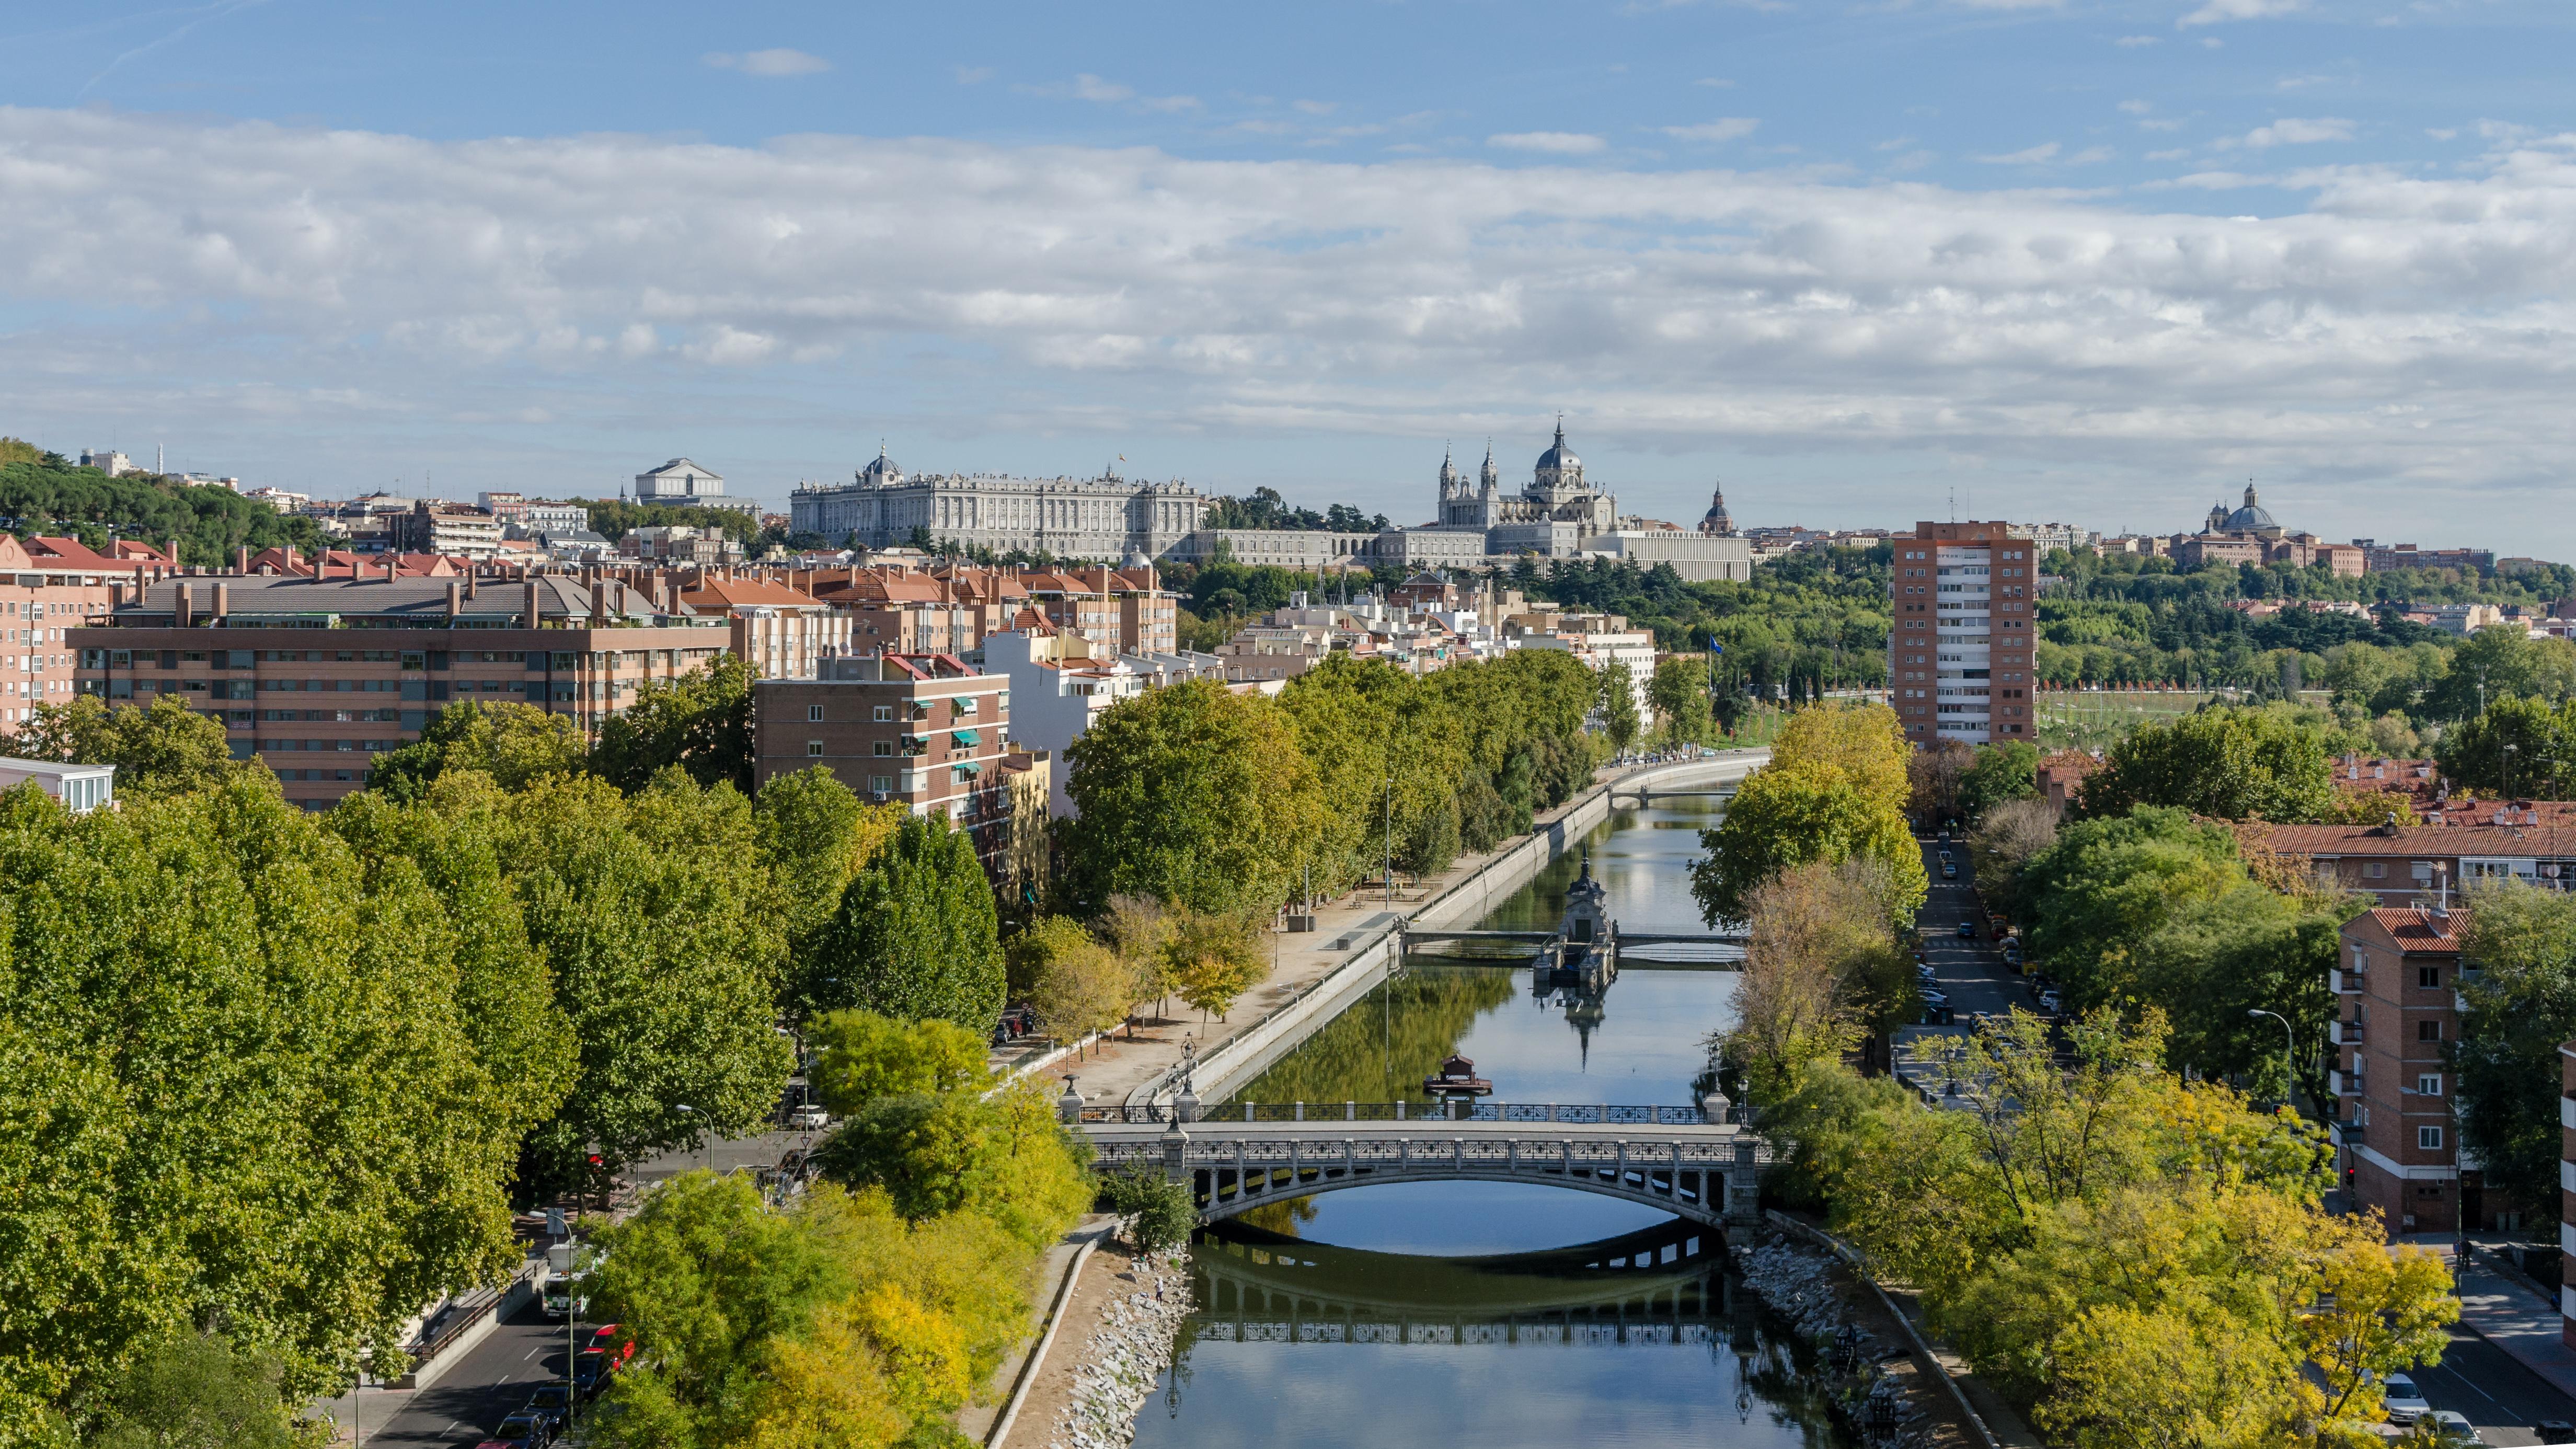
(1843,262)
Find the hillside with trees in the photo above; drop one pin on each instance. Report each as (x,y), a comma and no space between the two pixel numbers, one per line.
(42,492)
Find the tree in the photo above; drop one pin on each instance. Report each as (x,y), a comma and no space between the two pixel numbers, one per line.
(1821,971)
(815,835)
(917,935)
(512,743)
(2526,747)
(1158,1211)
(1618,706)
(2007,770)
(1213,958)
(166,749)
(2495,662)
(2376,1311)
(2235,764)
(1784,816)
(2001,845)
(1932,777)
(2523,939)
(1678,692)
(700,722)
(860,1056)
(1006,1158)
(195,1391)
(1192,795)
(1080,986)
(243,1080)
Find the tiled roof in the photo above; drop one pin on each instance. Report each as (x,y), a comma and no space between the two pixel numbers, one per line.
(2459,827)
(734,593)
(2421,930)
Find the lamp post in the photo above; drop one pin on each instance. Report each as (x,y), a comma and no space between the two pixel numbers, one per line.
(693,1136)
(1390,840)
(2290,1054)
(2510,750)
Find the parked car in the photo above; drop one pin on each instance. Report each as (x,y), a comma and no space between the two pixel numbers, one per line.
(551,1402)
(2452,1427)
(2012,950)
(2405,1402)
(1968,930)
(1949,871)
(2050,1002)
(809,1118)
(2555,1431)
(525,1431)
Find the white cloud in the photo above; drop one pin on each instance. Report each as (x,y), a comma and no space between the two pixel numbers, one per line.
(2032,156)
(2161,123)
(1727,128)
(2443,134)
(2091,156)
(971,75)
(769,62)
(2176,155)
(2132,41)
(1317,108)
(2216,12)
(1719,82)
(1089,87)
(1561,143)
(2137,108)
(292,294)
(2295,131)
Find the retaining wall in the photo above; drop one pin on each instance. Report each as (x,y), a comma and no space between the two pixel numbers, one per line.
(1222,1071)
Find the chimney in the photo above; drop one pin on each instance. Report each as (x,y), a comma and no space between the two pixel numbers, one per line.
(471,579)
(241,559)
(116,596)
(223,601)
(528,605)
(187,610)
(455,600)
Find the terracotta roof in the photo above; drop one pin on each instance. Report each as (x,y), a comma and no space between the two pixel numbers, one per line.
(2421,930)
(745,593)
(2459,827)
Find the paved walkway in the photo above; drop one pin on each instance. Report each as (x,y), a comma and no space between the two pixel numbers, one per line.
(2510,1313)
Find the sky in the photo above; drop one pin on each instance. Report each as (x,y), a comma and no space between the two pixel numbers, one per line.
(1863,261)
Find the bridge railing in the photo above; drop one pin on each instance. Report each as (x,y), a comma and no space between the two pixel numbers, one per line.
(1596,1113)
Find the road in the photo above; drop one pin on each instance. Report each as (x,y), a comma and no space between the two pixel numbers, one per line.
(2475,1378)
(472,1398)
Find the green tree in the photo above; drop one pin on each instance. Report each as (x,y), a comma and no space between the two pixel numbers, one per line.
(166,749)
(1080,986)
(917,935)
(195,1391)
(815,836)
(1006,1157)
(1158,1211)
(1618,706)
(1783,817)
(860,1056)
(2495,662)
(241,1081)
(700,722)
(2235,764)
(2523,746)
(2008,770)
(1192,795)
(1212,957)
(2523,939)
(1678,691)
(44,494)
(512,743)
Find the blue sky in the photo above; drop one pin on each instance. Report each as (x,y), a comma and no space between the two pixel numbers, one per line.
(2098,260)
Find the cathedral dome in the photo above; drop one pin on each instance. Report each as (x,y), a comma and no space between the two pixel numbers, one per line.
(881,469)
(1560,458)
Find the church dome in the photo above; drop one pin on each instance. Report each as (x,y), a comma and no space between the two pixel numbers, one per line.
(1560,458)
(2252,518)
(881,469)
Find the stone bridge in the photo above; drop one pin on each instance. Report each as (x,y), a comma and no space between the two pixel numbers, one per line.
(1684,1160)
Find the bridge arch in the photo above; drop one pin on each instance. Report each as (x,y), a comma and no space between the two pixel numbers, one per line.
(1220,1193)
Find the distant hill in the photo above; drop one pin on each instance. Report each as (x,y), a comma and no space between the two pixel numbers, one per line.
(42,492)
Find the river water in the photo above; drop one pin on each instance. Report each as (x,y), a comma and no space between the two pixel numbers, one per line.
(1494,1315)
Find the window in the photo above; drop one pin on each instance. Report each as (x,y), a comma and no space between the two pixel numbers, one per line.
(2375,870)
(885,714)
(813,714)
(2429,1138)
(2428,1031)
(813,747)
(881,783)
(2430,976)
(2428,1084)
(882,747)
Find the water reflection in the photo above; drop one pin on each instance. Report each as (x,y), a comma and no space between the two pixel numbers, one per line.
(1496,1315)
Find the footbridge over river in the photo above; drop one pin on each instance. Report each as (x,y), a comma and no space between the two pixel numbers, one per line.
(1688,1161)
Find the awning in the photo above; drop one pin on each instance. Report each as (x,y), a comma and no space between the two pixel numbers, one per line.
(964,737)
(968,770)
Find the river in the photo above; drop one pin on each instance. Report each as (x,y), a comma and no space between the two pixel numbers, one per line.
(1494,1315)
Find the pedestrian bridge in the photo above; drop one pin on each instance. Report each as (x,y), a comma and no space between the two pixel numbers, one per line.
(1687,1161)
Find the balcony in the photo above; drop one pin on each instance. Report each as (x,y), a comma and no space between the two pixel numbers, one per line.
(2348,1033)
(2350,982)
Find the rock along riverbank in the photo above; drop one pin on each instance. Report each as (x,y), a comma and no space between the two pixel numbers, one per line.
(1123,1360)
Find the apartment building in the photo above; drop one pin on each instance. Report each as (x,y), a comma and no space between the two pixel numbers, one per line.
(261,652)
(2463,840)
(448,529)
(2567,1193)
(898,611)
(925,730)
(1959,655)
(2398,988)
(1120,610)
(1057,690)
(45,594)
(782,633)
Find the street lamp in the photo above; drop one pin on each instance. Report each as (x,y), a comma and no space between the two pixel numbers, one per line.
(692,1111)
(2290,1055)
(2510,751)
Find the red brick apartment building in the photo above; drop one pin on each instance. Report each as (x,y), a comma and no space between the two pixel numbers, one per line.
(2398,988)
(314,676)
(923,729)
(2567,1193)
(1959,654)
